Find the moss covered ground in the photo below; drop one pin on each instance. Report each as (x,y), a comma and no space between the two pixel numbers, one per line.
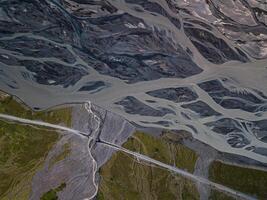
(52,194)
(249,181)
(22,152)
(164,150)
(23,148)
(124,178)
(9,105)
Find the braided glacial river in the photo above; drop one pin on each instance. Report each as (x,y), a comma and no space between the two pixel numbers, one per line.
(199,66)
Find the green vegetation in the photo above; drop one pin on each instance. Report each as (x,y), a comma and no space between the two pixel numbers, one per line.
(10,106)
(123,178)
(23,148)
(52,194)
(250,181)
(163,149)
(22,151)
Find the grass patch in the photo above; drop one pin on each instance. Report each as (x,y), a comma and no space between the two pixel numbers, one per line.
(163,149)
(249,181)
(23,148)
(123,178)
(22,151)
(52,194)
(10,106)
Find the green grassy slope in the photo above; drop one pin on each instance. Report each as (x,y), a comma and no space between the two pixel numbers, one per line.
(23,148)
(250,181)
(124,178)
